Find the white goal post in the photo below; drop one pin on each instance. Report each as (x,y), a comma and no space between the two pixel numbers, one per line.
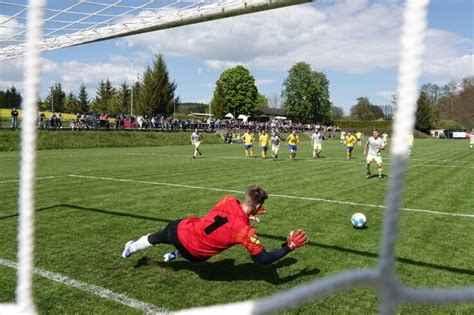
(383,278)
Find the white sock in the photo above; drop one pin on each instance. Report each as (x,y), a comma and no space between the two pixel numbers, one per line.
(140,244)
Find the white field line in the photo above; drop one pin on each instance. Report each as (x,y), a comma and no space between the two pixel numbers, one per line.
(90,288)
(271,195)
(37,178)
(327,161)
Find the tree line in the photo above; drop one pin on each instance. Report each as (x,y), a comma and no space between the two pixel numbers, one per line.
(10,98)
(153,94)
(305,94)
(304,97)
(450,106)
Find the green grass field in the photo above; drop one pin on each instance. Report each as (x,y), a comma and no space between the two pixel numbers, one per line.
(83,222)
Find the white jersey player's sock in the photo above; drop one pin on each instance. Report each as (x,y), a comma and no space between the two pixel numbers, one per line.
(140,244)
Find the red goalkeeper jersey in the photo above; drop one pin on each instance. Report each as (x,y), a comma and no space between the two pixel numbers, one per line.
(223,227)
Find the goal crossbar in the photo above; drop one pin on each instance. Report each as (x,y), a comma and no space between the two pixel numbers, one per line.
(126,24)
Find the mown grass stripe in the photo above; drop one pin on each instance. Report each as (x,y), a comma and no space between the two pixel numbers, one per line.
(271,195)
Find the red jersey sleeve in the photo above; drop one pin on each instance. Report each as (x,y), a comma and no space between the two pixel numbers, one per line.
(248,238)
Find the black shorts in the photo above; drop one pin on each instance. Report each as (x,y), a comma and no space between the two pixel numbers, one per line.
(169,235)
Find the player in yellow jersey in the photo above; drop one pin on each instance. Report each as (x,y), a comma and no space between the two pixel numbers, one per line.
(350,141)
(264,141)
(247,138)
(359,138)
(292,144)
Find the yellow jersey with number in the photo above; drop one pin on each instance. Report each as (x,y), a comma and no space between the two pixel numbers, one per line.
(350,140)
(247,138)
(264,140)
(293,140)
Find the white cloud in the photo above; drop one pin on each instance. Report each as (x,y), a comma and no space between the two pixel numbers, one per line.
(352,36)
(73,72)
(386,95)
(11,74)
(10,27)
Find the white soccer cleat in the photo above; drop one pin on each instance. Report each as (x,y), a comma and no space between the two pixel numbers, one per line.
(127,250)
(169,257)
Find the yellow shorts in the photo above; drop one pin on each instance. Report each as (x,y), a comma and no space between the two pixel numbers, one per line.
(197,144)
(317,146)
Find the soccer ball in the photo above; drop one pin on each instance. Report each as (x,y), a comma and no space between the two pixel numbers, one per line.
(358,220)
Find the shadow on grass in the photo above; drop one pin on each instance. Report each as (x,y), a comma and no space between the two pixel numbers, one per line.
(407,261)
(227,270)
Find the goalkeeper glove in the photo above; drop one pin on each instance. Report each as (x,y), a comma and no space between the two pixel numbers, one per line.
(296,239)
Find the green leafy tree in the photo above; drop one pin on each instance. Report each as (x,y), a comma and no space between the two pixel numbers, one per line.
(424,113)
(56,99)
(235,93)
(218,101)
(71,104)
(10,98)
(336,112)
(262,101)
(83,100)
(305,94)
(186,108)
(135,97)
(157,92)
(122,99)
(365,110)
(105,97)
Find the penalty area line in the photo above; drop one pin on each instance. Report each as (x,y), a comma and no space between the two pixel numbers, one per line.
(37,178)
(124,180)
(90,288)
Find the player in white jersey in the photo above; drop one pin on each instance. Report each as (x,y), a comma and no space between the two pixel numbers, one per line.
(196,140)
(316,143)
(373,147)
(471,139)
(343,137)
(385,138)
(275,144)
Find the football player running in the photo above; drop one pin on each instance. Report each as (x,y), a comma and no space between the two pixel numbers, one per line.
(316,143)
(350,141)
(372,149)
(196,140)
(275,143)
(264,140)
(225,225)
(293,144)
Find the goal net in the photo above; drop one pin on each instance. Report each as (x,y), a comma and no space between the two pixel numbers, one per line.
(29,28)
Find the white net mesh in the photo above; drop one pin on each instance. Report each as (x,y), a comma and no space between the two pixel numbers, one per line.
(82,21)
(383,278)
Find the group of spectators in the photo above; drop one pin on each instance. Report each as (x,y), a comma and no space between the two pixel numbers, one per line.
(54,121)
(173,124)
(88,121)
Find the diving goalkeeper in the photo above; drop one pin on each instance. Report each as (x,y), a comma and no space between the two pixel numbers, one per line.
(225,225)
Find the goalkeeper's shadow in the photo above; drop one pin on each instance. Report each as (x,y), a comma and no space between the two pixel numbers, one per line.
(227,270)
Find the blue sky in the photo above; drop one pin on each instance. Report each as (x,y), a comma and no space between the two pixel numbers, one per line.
(355,42)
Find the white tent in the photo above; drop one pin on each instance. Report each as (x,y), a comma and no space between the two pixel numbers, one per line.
(280,117)
(243,117)
(229,115)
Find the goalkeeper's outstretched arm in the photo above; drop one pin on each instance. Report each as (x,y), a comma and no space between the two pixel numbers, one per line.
(294,240)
